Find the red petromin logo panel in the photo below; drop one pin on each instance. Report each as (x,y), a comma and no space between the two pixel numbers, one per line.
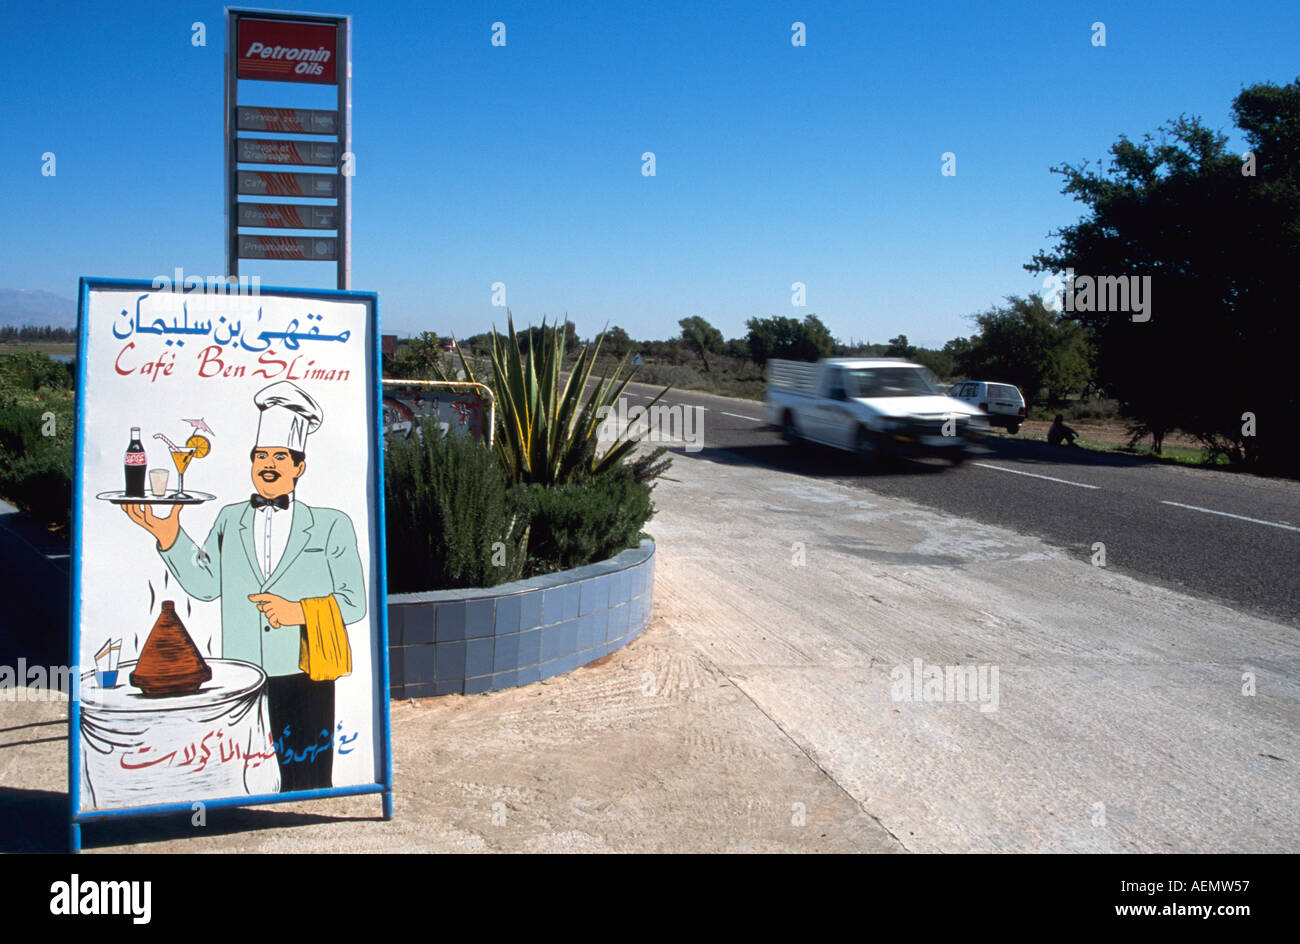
(287,51)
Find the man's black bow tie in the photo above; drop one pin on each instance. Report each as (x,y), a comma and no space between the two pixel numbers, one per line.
(257,501)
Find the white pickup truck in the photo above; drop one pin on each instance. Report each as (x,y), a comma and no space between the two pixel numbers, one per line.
(872,406)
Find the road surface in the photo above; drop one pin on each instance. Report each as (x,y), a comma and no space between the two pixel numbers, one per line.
(1229,537)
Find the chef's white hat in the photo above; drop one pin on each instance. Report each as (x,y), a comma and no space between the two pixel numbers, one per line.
(288,415)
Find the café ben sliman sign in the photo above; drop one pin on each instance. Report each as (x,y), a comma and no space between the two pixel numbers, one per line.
(229,597)
(303,154)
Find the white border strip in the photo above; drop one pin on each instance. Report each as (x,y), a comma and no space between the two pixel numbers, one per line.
(1033,475)
(752,419)
(1228,514)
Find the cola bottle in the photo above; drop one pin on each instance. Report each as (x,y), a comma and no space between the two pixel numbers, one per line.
(135,464)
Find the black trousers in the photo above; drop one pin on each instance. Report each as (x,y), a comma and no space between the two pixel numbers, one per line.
(302,728)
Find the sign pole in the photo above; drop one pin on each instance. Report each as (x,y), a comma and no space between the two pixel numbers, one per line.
(346,160)
(231,104)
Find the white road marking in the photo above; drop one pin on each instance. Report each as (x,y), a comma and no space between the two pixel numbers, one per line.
(1034,475)
(1228,514)
(752,419)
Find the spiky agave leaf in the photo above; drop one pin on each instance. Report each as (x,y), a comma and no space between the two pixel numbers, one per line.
(548,425)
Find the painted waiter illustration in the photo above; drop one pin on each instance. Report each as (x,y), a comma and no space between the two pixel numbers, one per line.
(289,578)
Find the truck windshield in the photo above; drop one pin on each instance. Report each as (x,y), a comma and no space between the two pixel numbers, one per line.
(892,382)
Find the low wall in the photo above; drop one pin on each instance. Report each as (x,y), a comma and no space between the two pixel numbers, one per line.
(469,641)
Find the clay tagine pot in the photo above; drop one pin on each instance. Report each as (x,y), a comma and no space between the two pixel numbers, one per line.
(170,663)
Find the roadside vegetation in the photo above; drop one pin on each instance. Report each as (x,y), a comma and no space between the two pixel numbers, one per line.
(546,498)
(36,425)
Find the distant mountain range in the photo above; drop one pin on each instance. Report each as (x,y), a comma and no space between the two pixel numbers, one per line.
(20,307)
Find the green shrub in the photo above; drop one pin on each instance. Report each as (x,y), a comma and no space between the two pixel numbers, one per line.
(36,469)
(446,506)
(584,522)
(30,370)
(41,485)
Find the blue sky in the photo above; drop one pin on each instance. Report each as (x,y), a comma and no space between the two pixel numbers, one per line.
(522,164)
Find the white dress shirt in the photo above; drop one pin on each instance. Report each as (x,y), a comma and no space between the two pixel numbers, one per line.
(271,527)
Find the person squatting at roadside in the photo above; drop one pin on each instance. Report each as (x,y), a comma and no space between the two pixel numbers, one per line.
(1059,432)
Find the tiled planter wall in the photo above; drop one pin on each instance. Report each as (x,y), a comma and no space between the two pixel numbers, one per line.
(469,641)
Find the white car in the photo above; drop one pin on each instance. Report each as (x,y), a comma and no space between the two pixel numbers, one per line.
(873,406)
(1002,403)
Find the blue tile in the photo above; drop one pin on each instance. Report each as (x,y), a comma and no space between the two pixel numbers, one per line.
(618,621)
(502,680)
(508,610)
(451,621)
(478,657)
(618,586)
(505,655)
(530,609)
(479,618)
(451,661)
(476,686)
(550,669)
(395,614)
(553,607)
(419,664)
(586,632)
(530,647)
(529,674)
(568,663)
(552,641)
(572,598)
(568,637)
(396,663)
(595,595)
(601,620)
(449,687)
(417,624)
(422,690)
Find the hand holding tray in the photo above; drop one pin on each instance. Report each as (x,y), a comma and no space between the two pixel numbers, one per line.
(191,497)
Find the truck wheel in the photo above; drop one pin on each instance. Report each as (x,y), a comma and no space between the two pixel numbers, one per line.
(1013,428)
(789,431)
(867,447)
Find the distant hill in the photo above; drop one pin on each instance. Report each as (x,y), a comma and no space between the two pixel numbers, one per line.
(20,307)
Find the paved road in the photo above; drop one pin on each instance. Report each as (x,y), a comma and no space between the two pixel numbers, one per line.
(1234,538)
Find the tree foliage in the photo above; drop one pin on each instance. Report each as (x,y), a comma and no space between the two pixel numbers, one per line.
(702,338)
(789,338)
(1218,234)
(1026,344)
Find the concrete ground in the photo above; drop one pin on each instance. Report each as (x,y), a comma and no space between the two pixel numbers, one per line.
(757,711)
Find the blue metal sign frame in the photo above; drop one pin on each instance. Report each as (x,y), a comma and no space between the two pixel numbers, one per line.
(384,746)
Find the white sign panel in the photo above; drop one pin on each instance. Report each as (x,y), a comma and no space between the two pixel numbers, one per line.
(229,603)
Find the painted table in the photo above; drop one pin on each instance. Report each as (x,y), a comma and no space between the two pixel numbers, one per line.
(137,750)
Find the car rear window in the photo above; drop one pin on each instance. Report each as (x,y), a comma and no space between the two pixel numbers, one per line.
(1003,392)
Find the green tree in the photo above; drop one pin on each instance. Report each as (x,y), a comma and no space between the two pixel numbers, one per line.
(1218,235)
(417,358)
(617,341)
(1027,344)
(702,338)
(941,362)
(898,347)
(737,348)
(780,337)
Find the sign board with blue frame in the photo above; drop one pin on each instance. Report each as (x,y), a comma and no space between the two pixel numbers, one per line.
(228,590)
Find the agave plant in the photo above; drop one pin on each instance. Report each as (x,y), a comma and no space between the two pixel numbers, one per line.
(548,423)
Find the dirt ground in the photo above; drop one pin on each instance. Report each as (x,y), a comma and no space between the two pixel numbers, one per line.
(1112,434)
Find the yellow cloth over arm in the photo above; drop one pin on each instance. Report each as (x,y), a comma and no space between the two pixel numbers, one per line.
(324,652)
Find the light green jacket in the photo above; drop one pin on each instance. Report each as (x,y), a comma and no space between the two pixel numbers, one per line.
(319,560)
